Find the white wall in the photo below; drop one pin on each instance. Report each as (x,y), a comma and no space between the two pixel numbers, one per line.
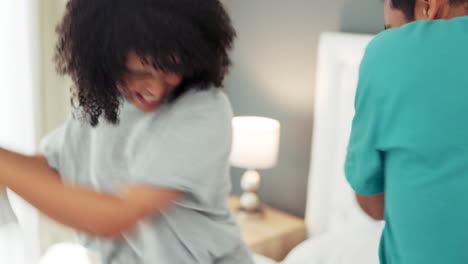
(55,103)
(55,88)
(19,104)
(19,84)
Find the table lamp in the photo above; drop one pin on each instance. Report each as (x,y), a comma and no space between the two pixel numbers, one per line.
(255,146)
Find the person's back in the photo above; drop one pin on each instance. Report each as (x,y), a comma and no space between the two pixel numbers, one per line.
(423,135)
(410,140)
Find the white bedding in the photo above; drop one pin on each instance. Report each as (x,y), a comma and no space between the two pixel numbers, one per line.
(346,247)
(263,260)
(11,244)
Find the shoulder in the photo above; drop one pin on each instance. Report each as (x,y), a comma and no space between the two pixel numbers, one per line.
(212,97)
(195,114)
(211,103)
(411,40)
(386,45)
(70,128)
(394,53)
(197,117)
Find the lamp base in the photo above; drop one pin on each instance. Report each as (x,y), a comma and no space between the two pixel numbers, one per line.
(249,202)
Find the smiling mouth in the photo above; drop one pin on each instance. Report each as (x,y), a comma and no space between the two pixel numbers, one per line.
(149,101)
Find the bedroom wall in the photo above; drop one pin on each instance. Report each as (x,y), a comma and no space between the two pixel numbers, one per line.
(55,103)
(55,88)
(274,76)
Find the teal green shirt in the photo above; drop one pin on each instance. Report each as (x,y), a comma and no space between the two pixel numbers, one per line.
(410,140)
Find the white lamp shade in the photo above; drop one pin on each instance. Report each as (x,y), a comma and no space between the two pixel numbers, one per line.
(255,142)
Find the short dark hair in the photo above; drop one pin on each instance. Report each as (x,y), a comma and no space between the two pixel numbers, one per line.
(407,6)
(191,38)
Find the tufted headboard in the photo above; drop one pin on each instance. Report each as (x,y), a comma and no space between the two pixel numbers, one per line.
(331,203)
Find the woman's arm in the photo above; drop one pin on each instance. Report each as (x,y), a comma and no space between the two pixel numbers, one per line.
(80,208)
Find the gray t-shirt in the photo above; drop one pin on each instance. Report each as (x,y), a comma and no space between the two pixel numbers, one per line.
(183,146)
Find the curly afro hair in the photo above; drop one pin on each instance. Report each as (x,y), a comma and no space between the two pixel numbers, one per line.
(191,38)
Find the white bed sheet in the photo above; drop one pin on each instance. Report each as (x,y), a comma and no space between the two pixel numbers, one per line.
(359,245)
(345,247)
(11,244)
(263,260)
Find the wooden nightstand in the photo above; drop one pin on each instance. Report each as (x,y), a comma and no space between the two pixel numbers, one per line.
(274,234)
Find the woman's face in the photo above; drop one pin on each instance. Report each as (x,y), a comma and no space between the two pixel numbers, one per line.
(146,87)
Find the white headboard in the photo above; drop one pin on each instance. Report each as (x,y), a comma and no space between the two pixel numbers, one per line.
(331,203)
